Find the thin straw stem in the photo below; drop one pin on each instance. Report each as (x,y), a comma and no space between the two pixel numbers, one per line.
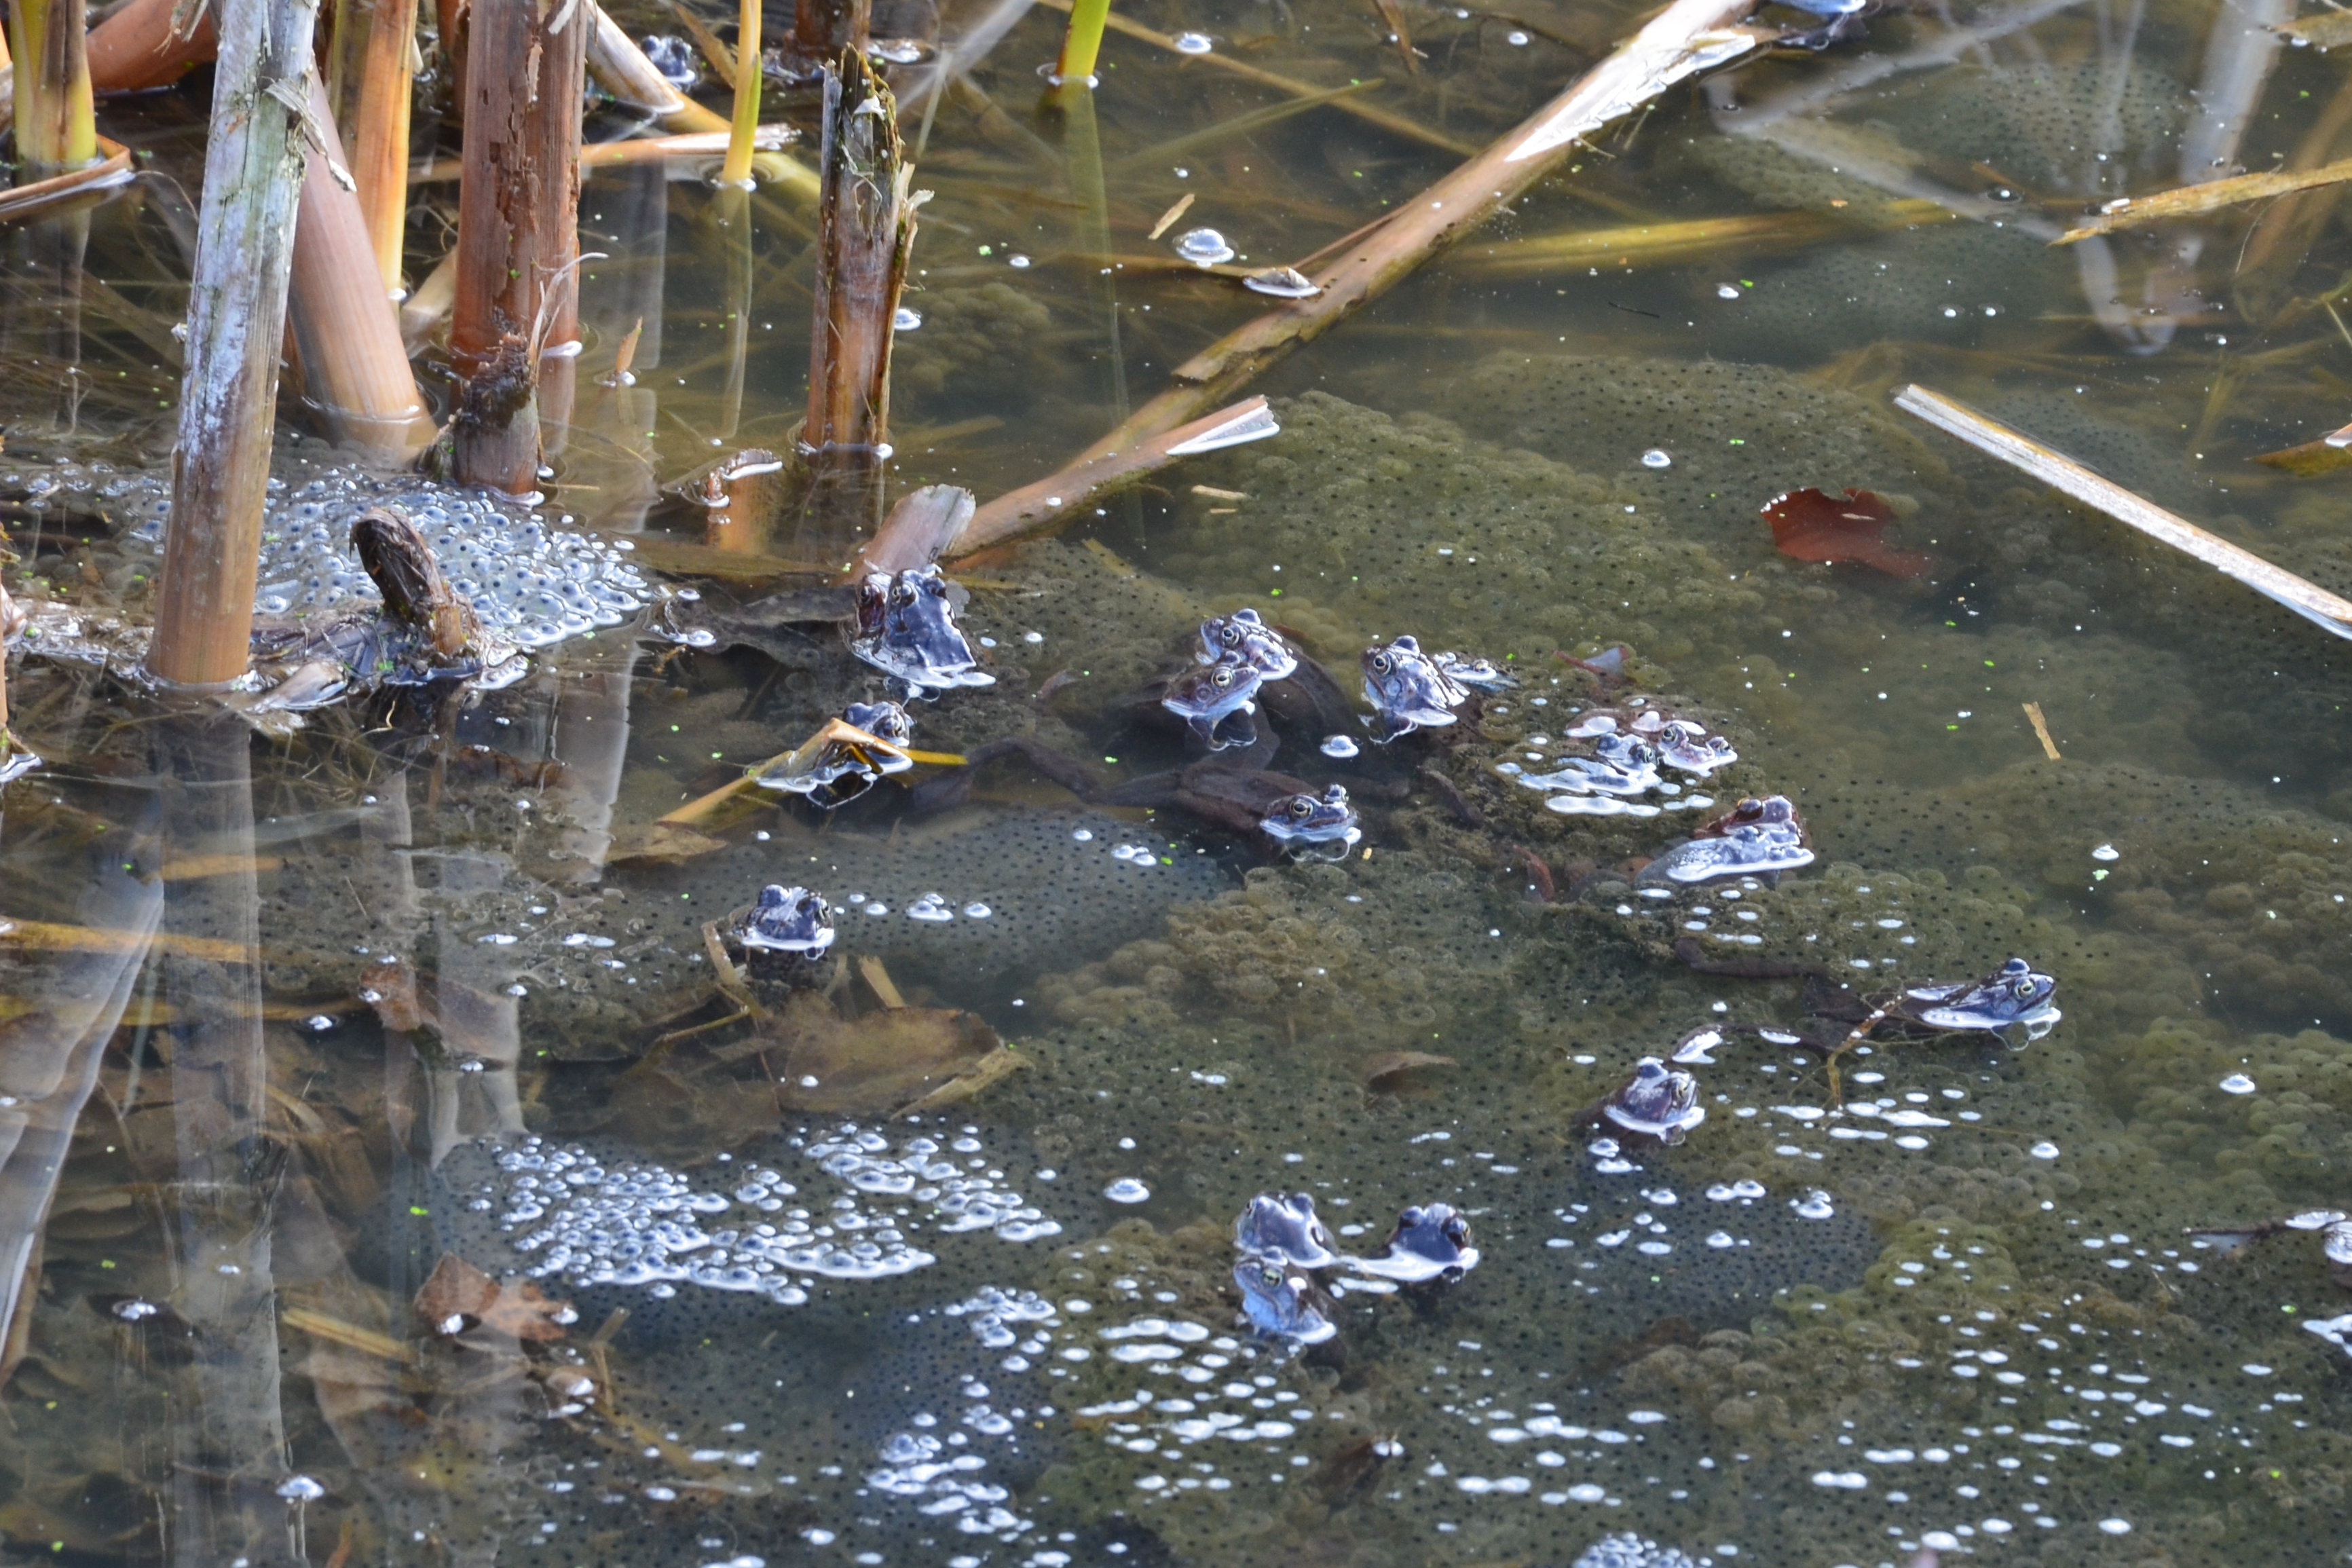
(737,170)
(1082,44)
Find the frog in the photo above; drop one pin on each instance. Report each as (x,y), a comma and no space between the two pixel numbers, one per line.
(1757,837)
(906,628)
(1218,701)
(1656,1104)
(1281,1304)
(790,920)
(846,758)
(1243,635)
(1407,691)
(1283,1230)
(2335,1228)
(1431,1242)
(1310,826)
(1683,744)
(2013,996)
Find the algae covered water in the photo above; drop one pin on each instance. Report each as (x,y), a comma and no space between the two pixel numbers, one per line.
(398,1169)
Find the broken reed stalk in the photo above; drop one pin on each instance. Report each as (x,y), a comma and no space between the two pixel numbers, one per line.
(737,170)
(140,45)
(375,40)
(1687,36)
(2063,474)
(1082,42)
(513,327)
(1371,114)
(2192,201)
(55,121)
(866,229)
(620,68)
(1688,239)
(355,368)
(236,319)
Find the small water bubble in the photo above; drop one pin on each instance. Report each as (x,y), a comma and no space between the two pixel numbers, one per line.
(1814,1204)
(1204,246)
(1127,1190)
(2045,1150)
(134,1310)
(1339,746)
(300,1488)
(2106,852)
(1727,291)
(907,320)
(1083,836)
(1193,44)
(1017,262)
(977,911)
(320,1022)
(2237,1083)
(1657,458)
(1516,39)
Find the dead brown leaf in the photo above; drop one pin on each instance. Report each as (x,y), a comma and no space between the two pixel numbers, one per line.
(457,1290)
(1385,1070)
(884,1062)
(660,844)
(469,1022)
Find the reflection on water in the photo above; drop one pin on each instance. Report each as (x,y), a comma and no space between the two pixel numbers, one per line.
(385,1176)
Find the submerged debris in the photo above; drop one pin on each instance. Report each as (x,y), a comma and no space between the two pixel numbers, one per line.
(1813,526)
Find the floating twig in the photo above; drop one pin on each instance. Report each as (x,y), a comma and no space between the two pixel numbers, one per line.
(2061,473)
(2042,731)
(2189,201)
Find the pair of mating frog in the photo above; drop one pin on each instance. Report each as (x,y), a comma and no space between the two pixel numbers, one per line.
(1660,1104)
(1282,1247)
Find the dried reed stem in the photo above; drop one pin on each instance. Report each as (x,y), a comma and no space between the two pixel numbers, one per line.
(236,319)
(137,47)
(866,229)
(354,367)
(57,126)
(374,43)
(737,170)
(517,237)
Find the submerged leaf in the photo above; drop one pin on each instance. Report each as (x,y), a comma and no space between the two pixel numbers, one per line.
(1385,1070)
(660,844)
(1810,525)
(884,1062)
(458,1291)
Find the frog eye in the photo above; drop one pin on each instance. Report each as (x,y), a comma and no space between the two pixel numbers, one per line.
(1382,664)
(1221,677)
(1300,805)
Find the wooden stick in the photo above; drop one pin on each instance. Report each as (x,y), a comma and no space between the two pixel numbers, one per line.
(2189,201)
(518,238)
(1688,36)
(236,319)
(1038,508)
(354,367)
(2061,473)
(137,47)
(2042,731)
(376,110)
(1371,114)
(865,230)
(57,127)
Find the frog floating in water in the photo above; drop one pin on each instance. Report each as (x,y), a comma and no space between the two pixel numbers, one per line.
(1216,702)
(1284,1228)
(1281,1304)
(1310,826)
(1754,838)
(1428,1243)
(906,628)
(1245,636)
(1407,690)
(2335,1228)
(846,757)
(788,920)
(2014,1002)
(1656,1104)
(1683,744)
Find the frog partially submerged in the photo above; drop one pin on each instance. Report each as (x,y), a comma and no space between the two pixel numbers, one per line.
(1754,839)
(1684,745)
(906,628)
(1430,1243)
(1217,702)
(789,920)
(2335,1228)
(1656,1104)
(1310,826)
(2014,1003)
(846,757)
(1283,1228)
(1245,636)
(1284,1304)
(1407,690)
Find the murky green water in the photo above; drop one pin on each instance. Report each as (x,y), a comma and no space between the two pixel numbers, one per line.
(283,1011)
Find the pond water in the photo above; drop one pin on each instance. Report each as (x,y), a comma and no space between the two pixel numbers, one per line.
(386,1178)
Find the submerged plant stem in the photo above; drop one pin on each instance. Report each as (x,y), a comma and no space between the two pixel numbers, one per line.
(737,170)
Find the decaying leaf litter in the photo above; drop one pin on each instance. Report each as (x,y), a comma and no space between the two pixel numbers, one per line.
(2051,740)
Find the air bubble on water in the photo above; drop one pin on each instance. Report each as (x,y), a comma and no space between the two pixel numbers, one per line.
(2106,852)
(2045,1150)
(1204,246)
(2237,1083)
(977,911)
(1814,1204)
(1083,836)
(320,1022)
(1193,44)
(1725,291)
(907,320)
(1339,746)
(1657,458)
(1516,39)
(300,1488)
(1127,1190)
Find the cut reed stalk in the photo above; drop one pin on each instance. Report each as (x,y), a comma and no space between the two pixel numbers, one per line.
(737,170)
(236,319)
(514,323)
(375,41)
(57,125)
(140,45)
(355,368)
(865,230)
(743,498)
(1082,41)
